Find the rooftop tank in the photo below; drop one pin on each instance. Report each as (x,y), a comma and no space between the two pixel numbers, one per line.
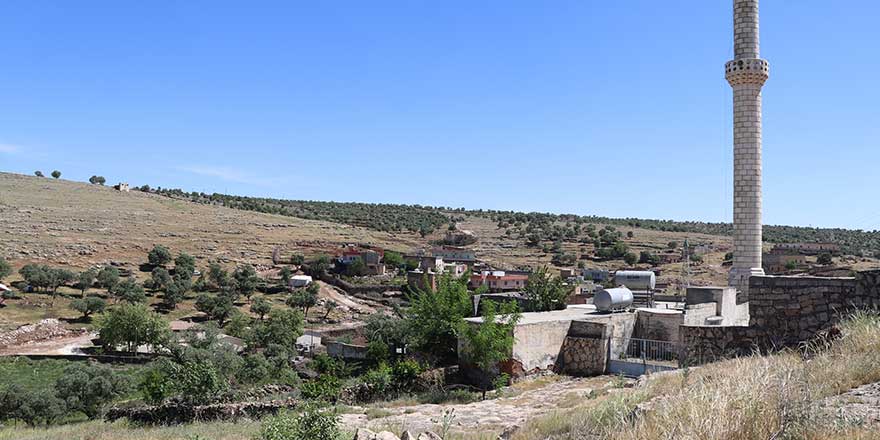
(617,298)
(636,279)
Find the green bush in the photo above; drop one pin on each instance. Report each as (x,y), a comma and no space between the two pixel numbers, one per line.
(88,388)
(311,424)
(324,388)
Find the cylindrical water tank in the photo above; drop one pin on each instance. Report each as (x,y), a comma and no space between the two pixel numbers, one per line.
(613,299)
(636,279)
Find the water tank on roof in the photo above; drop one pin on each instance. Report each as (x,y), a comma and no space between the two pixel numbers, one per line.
(608,300)
(636,279)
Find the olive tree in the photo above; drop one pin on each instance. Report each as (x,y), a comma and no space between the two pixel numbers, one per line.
(132,325)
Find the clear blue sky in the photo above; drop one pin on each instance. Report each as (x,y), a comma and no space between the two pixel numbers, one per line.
(614,108)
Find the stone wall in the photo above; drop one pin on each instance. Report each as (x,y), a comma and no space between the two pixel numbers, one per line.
(784,311)
(584,356)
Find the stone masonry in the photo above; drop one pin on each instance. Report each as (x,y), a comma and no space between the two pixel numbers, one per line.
(746,75)
(784,311)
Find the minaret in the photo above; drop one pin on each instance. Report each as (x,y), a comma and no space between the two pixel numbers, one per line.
(746,74)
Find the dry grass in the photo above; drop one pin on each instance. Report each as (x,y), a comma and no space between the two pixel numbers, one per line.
(751,398)
(121,431)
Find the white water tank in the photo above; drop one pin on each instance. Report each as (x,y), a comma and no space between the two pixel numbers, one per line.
(636,279)
(617,298)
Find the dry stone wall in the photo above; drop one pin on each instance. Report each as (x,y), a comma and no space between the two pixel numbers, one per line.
(785,311)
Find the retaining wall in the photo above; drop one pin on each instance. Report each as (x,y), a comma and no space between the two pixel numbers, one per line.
(784,312)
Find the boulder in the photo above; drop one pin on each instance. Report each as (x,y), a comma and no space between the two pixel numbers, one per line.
(407,436)
(428,435)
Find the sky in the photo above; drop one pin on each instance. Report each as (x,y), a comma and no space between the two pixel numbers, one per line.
(614,108)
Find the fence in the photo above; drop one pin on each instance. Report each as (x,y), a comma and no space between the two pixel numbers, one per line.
(635,357)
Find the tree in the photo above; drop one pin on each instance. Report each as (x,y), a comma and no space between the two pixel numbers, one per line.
(97,180)
(545,292)
(217,275)
(393,259)
(629,234)
(646,257)
(85,280)
(329,306)
(5,269)
(88,388)
(490,342)
(824,259)
(31,407)
(176,290)
(261,307)
(160,278)
(304,298)
(297,259)
(159,256)
(88,306)
(282,328)
(108,278)
(217,307)
(286,275)
(56,174)
(320,264)
(132,325)
(357,268)
(39,174)
(184,265)
(246,280)
(435,316)
(672,245)
(630,258)
(130,291)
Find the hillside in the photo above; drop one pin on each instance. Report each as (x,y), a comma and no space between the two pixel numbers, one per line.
(78,225)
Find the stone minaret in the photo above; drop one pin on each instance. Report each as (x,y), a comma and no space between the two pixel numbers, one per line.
(746,74)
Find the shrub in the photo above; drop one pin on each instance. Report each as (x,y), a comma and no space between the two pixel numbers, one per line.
(97,180)
(39,173)
(88,388)
(545,292)
(56,174)
(5,269)
(311,424)
(405,374)
(156,386)
(824,259)
(324,388)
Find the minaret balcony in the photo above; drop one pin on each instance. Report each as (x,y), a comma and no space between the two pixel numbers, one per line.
(747,71)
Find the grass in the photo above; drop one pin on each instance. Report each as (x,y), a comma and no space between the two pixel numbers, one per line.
(98,430)
(38,374)
(751,398)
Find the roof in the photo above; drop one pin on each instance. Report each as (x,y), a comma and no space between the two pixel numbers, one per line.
(569,314)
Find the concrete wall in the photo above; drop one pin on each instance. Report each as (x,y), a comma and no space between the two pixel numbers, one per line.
(536,346)
(658,325)
(784,311)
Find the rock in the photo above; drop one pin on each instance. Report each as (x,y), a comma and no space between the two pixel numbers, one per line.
(407,436)
(364,434)
(428,435)
(385,435)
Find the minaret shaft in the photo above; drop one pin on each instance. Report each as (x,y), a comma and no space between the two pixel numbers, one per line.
(746,75)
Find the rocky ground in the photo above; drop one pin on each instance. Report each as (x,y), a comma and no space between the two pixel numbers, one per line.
(860,406)
(505,413)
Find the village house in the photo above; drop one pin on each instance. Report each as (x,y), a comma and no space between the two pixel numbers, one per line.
(499,280)
(372,259)
(807,248)
(782,262)
(455,254)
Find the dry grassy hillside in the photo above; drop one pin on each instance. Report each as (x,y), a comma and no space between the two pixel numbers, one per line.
(78,224)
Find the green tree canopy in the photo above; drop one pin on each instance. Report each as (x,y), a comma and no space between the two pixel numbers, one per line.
(545,292)
(436,315)
(88,388)
(56,174)
(491,342)
(159,256)
(132,325)
(88,306)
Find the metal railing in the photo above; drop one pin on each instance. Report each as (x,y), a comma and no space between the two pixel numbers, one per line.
(644,350)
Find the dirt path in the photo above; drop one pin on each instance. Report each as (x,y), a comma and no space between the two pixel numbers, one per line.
(334,293)
(518,404)
(61,346)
